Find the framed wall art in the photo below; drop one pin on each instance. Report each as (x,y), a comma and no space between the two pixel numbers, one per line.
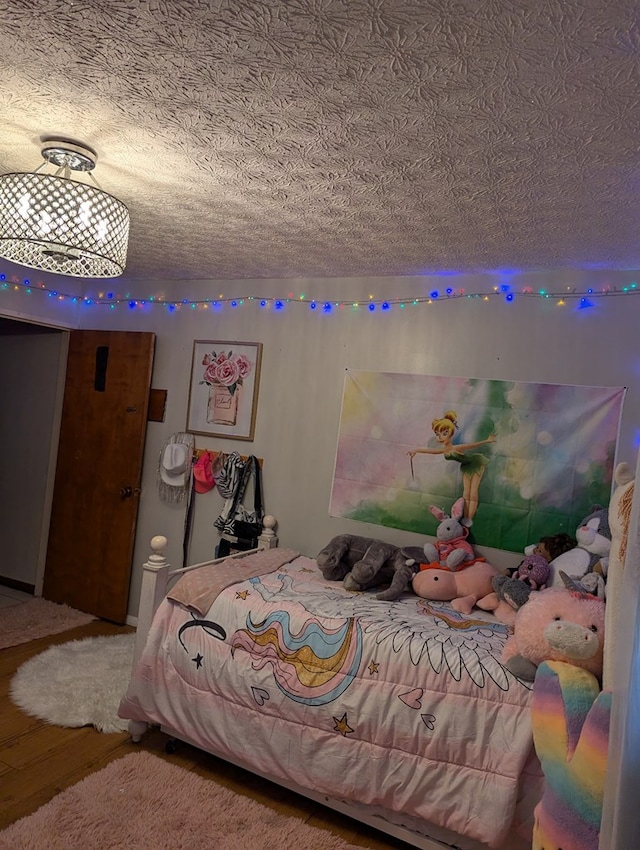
(223,392)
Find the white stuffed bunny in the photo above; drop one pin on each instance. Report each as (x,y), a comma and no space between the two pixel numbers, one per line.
(451,549)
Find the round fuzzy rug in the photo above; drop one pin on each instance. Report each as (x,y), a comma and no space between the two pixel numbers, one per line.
(79,683)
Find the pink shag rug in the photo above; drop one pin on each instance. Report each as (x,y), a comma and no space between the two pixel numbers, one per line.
(37,618)
(142,802)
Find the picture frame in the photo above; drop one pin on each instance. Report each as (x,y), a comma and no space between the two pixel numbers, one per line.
(223,388)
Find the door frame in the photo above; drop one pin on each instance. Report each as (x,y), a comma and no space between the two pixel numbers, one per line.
(51,466)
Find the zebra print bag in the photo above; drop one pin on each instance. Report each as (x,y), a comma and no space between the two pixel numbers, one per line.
(242,528)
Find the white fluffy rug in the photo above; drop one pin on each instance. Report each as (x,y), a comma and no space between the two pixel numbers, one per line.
(79,683)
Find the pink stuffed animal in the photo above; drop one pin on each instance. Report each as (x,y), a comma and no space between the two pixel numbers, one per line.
(464,588)
(556,624)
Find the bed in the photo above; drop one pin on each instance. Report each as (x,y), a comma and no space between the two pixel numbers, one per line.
(398,714)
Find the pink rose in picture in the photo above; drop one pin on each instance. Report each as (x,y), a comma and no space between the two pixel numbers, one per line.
(224,368)
(210,373)
(227,372)
(244,365)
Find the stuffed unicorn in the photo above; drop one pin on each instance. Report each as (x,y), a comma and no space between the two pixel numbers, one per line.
(570,717)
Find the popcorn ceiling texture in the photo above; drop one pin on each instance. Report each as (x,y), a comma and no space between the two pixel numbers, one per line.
(340,138)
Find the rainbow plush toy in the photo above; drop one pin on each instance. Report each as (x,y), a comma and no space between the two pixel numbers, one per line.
(570,716)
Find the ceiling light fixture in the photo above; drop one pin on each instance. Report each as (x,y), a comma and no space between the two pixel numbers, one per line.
(57,224)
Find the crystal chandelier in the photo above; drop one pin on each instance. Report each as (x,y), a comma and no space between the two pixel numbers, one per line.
(56,224)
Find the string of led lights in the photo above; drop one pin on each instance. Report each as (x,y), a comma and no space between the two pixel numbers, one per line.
(112,300)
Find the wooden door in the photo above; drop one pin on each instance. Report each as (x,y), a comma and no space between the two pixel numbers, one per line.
(97,483)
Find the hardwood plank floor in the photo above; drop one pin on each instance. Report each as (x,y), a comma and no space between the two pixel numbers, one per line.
(37,760)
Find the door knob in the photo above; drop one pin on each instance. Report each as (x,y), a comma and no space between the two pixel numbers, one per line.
(126,492)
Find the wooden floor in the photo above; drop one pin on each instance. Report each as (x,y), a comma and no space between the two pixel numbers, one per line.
(37,760)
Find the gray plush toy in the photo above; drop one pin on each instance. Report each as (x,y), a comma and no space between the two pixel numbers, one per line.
(593,537)
(364,562)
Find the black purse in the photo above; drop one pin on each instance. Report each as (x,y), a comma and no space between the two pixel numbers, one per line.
(242,532)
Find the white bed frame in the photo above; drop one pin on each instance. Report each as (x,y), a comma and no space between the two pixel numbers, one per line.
(621,813)
(157,575)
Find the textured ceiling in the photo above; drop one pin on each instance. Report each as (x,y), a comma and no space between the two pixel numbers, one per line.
(258,139)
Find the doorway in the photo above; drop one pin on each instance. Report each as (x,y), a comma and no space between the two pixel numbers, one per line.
(32,366)
(36,362)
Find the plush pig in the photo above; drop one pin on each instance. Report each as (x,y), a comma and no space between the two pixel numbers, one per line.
(463,588)
(557,624)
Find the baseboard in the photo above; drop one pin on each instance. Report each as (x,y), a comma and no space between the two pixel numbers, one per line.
(132,621)
(14,584)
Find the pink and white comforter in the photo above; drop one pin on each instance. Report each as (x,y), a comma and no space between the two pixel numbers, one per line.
(400,705)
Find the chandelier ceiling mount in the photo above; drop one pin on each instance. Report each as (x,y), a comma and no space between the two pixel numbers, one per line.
(67,154)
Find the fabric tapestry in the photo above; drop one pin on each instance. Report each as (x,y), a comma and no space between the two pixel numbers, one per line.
(528,459)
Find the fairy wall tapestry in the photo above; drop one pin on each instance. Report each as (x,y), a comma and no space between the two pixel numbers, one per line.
(529,459)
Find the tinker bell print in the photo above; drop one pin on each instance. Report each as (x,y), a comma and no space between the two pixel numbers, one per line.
(472,466)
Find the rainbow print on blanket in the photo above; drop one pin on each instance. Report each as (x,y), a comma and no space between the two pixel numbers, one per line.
(315,665)
(528,459)
(570,717)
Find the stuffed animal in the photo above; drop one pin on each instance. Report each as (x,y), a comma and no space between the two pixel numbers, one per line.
(511,592)
(570,719)
(592,583)
(451,547)
(556,624)
(534,571)
(591,553)
(364,562)
(509,595)
(463,588)
(594,535)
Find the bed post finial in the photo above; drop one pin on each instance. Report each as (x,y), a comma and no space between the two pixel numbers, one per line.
(267,538)
(158,545)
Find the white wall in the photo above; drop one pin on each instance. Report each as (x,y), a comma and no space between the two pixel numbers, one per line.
(305,356)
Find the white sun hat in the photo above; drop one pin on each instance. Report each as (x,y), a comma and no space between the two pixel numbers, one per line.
(175,467)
